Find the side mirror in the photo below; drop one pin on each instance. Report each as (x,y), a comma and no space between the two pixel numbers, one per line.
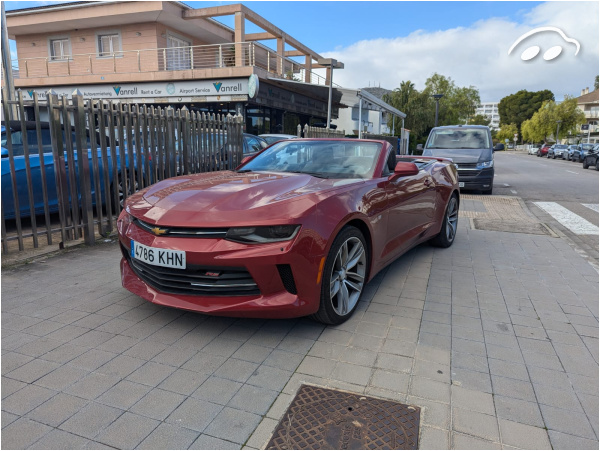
(499,146)
(404,169)
(420,147)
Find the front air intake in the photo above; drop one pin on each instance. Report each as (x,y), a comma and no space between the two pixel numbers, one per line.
(285,272)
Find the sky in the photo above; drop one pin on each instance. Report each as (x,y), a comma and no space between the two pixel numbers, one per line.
(385,43)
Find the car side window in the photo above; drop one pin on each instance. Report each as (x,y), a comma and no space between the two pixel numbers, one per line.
(253,145)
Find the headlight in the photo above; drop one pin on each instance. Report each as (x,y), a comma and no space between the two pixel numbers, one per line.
(123,222)
(264,234)
(486,164)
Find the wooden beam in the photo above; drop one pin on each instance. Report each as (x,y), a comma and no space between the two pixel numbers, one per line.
(260,36)
(294,53)
(214,11)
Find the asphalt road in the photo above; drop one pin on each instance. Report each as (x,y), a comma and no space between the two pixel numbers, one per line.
(546,180)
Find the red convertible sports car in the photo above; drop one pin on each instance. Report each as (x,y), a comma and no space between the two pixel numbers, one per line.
(296,230)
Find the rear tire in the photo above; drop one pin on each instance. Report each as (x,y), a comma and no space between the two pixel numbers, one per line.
(449,225)
(585,164)
(597,167)
(344,277)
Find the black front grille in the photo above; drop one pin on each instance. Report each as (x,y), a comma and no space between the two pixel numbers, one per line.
(185,232)
(287,277)
(196,280)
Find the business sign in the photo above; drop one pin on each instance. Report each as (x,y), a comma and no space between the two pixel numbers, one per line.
(220,90)
(585,127)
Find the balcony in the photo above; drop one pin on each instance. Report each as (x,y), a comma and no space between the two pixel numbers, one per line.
(163,60)
(591,114)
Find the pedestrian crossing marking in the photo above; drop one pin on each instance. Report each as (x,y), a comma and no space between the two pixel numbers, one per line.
(591,206)
(567,218)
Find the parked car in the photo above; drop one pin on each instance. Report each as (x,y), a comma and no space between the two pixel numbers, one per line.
(532,150)
(17,133)
(289,233)
(470,148)
(253,143)
(556,151)
(566,155)
(581,151)
(543,150)
(271,138)
(591,158)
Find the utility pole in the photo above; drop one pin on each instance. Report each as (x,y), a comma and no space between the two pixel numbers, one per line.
(7,63)
(437,98)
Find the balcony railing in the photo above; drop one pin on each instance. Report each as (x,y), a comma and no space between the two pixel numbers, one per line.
(591,114)
(237,54)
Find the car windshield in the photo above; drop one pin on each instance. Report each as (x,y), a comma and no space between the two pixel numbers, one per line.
(587,146)
(466,138)
(324,159)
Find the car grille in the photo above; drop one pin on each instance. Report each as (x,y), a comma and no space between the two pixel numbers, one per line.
(287,277)
(196,280)
(185,232)
(466,165)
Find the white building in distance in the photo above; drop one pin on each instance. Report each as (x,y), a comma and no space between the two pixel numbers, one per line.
(490,110)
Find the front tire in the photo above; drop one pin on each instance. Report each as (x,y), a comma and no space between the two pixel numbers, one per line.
(449,225)
(585,164)
(344,277)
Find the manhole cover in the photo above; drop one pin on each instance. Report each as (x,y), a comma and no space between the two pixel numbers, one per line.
(320,418)
(533,228)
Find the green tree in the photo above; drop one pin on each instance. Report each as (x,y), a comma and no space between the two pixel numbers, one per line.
(517,108)
(458,103)
(480,119)
(596,83)
(419,109)
(507,131)
(544,122)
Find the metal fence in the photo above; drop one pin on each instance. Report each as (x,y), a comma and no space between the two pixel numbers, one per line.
(65,177)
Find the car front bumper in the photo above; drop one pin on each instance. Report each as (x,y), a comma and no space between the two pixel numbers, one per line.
(285,275)
(480,179)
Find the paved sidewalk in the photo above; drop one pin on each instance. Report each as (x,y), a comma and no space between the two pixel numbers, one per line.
(496,339)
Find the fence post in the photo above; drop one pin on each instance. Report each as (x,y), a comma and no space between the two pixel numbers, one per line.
(84,168)
(58,156)
(184,139)
(170,143)
(299,131)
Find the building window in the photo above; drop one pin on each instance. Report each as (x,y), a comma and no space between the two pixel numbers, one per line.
(178,53)
(59,49)
(108,44)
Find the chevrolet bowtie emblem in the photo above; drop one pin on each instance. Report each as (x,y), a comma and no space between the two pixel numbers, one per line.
(158,231)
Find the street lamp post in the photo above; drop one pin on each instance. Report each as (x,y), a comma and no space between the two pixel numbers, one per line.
(437,98)
(557,128)
(333,64)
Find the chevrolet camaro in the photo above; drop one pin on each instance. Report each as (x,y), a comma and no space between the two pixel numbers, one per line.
(296,230)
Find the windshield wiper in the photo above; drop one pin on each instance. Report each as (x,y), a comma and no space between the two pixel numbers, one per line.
(241,171)
(314,174)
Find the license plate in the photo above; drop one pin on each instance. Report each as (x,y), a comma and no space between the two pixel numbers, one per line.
(461,184)
(167,258)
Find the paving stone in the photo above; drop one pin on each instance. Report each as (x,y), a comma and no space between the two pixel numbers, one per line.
(8,418)
(367,342)
(57,409)
(151,373)
(429,389)
(475,423)
(432,438)
(217,390)
(513,388)
(269,377)
(432,370)
(183,381)
(26,399)
(525,412)
(92,385)
(390,381)
(89,421)
(394,362)
(508,369)
(10,386)
(175,356)
(564,398)
(157,404)
(194,414)
(398,347)
(127,431)
(233,424)
(33,370)
(57,439)
(204,363)
(169,436)
(470,362)
(286,360)
(92,359)
(208,442)
(504,353)
(262,434)
(354,374)
(462,441)
(252,353)
(472,400)
(358,356)
(523,436)
(253,399)
(123,395)
(472,380)
(432,413)
(64,353)
(581,384)
(22,433)
(560,440)
(61,377)
(316,366)
(569,422)
(469,346)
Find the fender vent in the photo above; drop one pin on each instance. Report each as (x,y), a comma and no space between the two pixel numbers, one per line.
(285,272)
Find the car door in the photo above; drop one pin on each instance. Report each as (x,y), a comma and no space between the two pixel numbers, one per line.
(411,207)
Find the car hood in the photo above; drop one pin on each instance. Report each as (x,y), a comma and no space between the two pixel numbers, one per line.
(219,198)
(461,155)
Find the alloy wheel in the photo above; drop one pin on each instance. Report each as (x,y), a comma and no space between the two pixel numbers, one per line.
(451,219)
(348,276)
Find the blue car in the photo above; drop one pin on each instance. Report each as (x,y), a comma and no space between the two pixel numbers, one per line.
(36,174)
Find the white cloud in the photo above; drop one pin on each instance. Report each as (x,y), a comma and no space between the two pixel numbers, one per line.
(477,55)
